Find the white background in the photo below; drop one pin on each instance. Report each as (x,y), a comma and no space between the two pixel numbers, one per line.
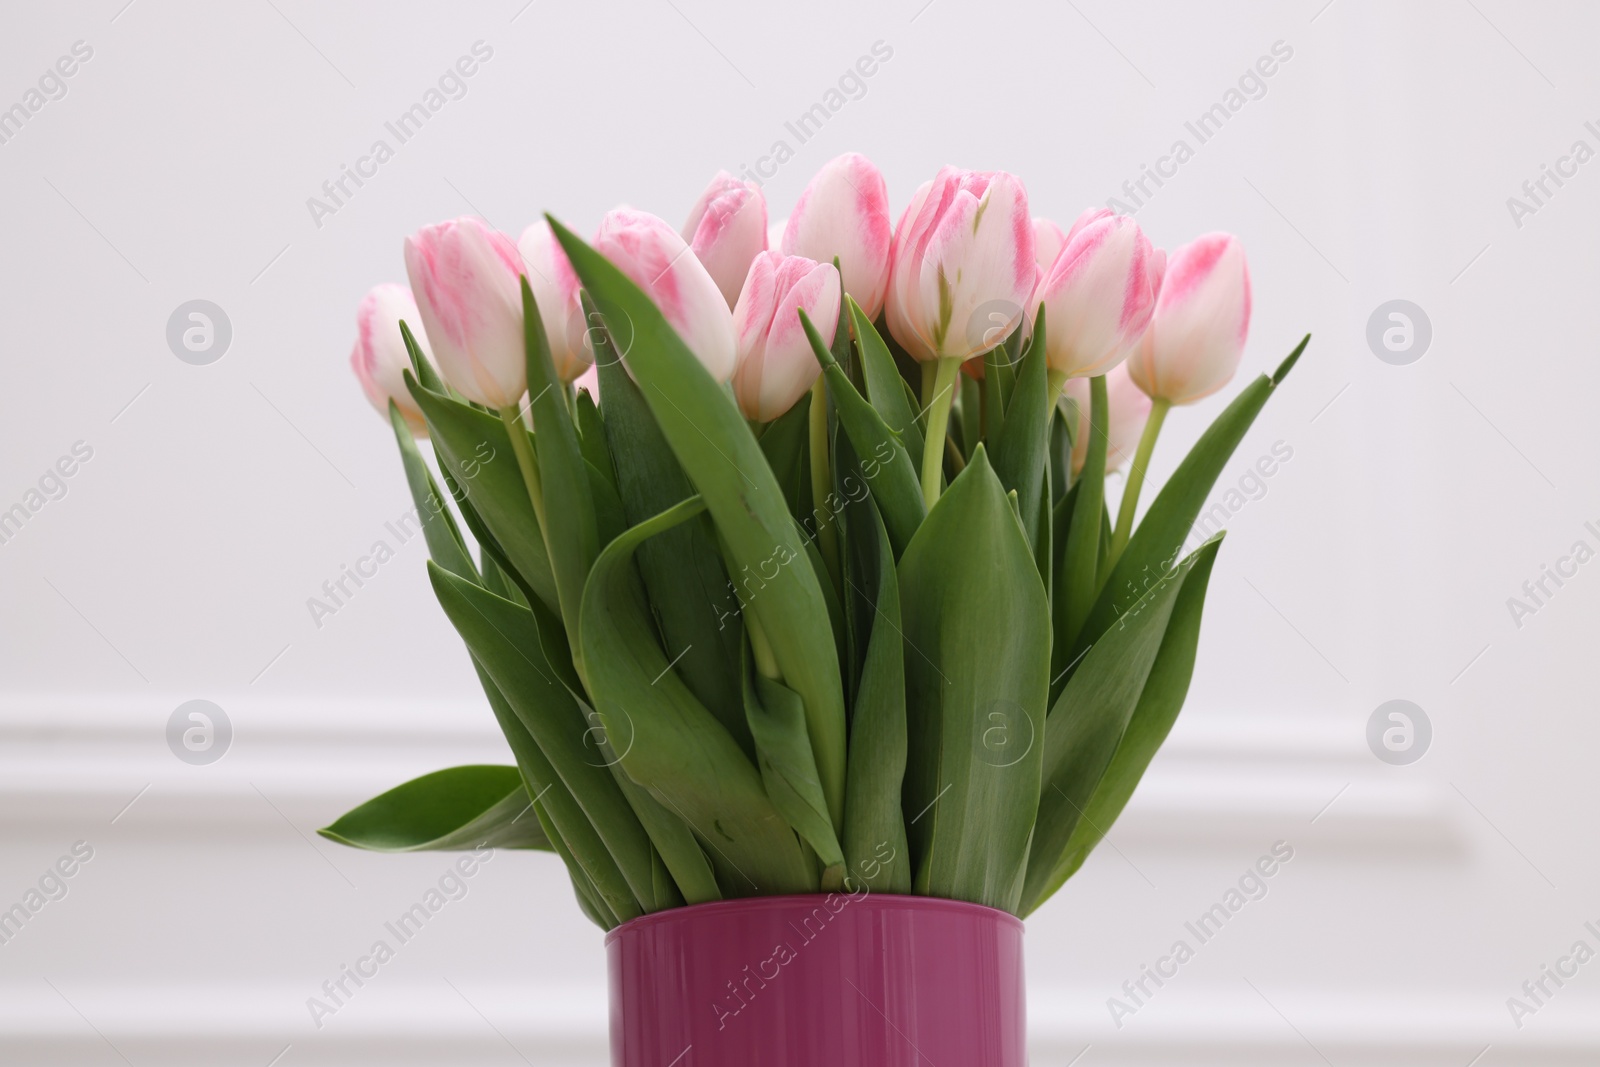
(1376,566)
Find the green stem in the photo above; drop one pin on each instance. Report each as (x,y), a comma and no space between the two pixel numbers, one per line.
(944,380)
(822,481)
(929,369)
(526,461)
(1136,472)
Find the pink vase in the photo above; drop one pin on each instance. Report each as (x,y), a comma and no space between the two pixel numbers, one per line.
(839,980)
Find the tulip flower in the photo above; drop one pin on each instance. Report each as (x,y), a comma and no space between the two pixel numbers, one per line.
(776,364)
(727,229)
(1098,297)
(962,274)
(657,260)
(379,357)
(465,278)
(1128,410)
(1192,346)
(1196,336)
(1086,216)
(844,213)
(894,311)
(555,292)
(1048,241)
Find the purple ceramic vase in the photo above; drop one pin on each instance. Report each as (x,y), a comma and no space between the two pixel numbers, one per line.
(835,980)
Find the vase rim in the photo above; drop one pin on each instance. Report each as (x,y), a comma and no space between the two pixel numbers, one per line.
(743,905)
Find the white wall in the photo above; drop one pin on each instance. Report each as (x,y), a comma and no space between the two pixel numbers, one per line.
(218,498)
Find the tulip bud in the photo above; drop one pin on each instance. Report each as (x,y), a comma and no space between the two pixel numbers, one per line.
(1098,296)
(844,213)
(1196,336)
(776,363)
(379,357)
(894,311)
(727,229)
(657,260)
(1086,216)
(964,266)
(465,278)
(1048,241)
(1128,409)
(555,291)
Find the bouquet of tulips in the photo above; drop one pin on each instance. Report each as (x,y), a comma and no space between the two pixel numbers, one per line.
(794,569)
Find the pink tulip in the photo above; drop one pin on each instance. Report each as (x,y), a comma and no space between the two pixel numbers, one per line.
(776,363)
(893,307)
(726,229)
(657,260)
(379,357)
(844,212)
(1048,241)
(964,265)
(589,381)
(1196,336)
(555,291)
(464,275)
(1098,296)
(1086,216)
(1127,409)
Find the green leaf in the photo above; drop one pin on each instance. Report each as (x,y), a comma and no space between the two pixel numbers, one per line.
(1160,535)
(893,476)
(1019,451)
(693,602)
(968,419)
(975,705)
(666,739)
(1090,717)
(783,753)
(875,848)
(1081,558)
(592,436)
(784,441)
(572,536)
(706,432)
(504,639)
(885,388)
(475,452)
(438,527)
(419,363)
(452,810)
(1162,698)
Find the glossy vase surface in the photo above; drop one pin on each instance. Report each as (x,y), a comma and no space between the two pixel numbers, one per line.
(834,980)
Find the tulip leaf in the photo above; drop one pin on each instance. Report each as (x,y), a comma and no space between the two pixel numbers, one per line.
(875,849)
(668,742)
(1020,446)
(592,436)
(475,451)
(783,753)
(1089,717)
(504,639)
(1080,562)
(893,478)
(570,534)
(452,810)
(967,419)
(885,388)
(1161,533)
(1165,687)
(784,442)
(438,527)
(711,440)
(693,601)
(419,363)
(975,705)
